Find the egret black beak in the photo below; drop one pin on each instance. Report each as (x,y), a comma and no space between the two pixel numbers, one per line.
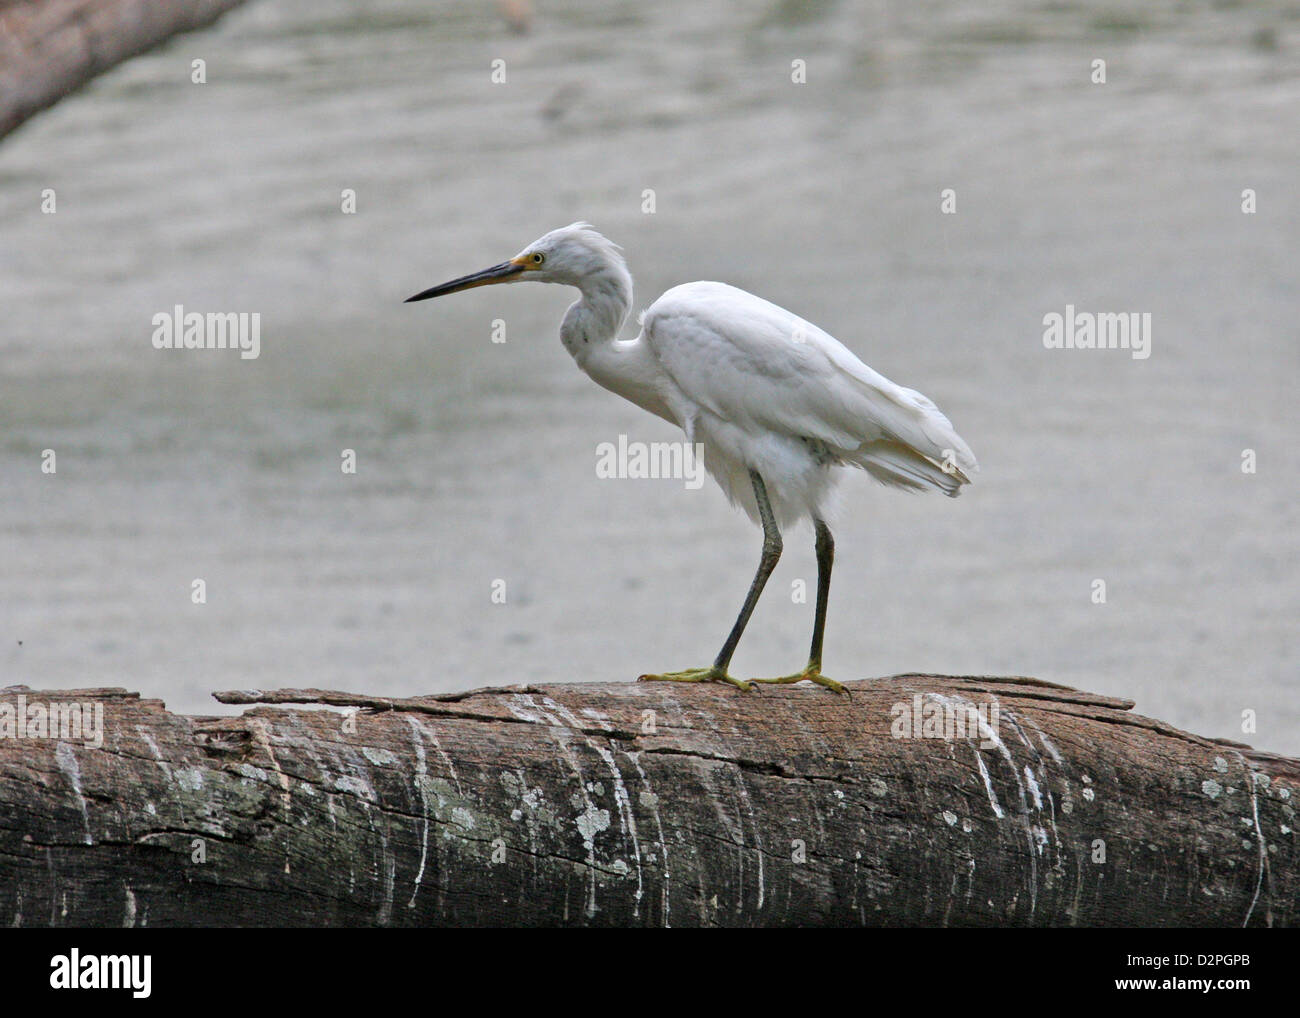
(496,274)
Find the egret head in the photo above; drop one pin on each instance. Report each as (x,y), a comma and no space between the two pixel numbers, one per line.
(573,255)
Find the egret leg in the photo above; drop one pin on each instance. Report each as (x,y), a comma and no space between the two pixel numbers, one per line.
(717,672)
(813,671)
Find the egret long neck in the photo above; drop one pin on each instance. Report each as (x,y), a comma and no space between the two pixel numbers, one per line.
(590,334)
(597,318)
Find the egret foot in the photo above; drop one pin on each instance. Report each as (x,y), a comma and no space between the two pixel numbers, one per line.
(812,673)
(698,675)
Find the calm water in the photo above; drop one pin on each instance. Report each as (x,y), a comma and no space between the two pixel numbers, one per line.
(476,461)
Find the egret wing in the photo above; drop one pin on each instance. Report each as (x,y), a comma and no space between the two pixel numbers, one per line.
(763,368)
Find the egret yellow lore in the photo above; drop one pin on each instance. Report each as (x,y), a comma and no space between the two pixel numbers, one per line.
(777,404)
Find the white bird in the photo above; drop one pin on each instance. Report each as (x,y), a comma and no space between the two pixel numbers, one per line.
(776,403)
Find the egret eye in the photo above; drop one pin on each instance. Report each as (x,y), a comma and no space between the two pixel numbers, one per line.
(538,258)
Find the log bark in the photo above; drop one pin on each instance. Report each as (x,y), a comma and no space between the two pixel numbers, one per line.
(648,804)
(49,48)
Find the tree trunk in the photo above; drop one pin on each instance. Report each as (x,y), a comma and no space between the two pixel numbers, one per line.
(48,48)
(649,804)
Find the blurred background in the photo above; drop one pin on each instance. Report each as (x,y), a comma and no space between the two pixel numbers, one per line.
(476,461)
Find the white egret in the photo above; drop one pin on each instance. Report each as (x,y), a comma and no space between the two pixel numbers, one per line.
(776,403)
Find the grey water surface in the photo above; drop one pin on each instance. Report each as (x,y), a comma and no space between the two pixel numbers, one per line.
(476,460)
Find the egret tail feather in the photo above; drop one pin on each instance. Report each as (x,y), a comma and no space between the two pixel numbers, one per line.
(901,466)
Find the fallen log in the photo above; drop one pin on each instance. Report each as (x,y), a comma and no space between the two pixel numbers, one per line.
(49,48)
(650,804)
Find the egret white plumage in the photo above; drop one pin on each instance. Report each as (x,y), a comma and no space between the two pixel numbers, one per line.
(776,403)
